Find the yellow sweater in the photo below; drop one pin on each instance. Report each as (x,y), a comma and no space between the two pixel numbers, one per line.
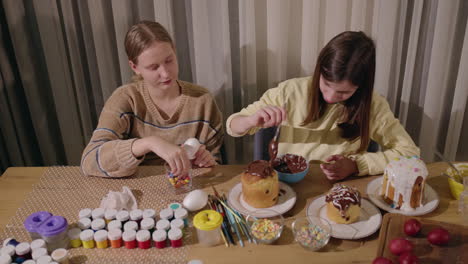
(320,139)
(130,114)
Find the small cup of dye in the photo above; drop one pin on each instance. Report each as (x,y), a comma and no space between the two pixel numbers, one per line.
(311,232)
(265,230)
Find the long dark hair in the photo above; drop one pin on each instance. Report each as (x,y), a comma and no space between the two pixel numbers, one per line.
(349,56)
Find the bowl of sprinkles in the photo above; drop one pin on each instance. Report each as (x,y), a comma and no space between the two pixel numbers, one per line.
(311,232)
(265,230)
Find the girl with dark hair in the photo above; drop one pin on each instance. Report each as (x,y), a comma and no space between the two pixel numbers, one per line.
(149,119)
(333,115)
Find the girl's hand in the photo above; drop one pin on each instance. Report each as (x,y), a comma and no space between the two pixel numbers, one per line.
(341,168)
(268,116)
(203,158)
(174,155)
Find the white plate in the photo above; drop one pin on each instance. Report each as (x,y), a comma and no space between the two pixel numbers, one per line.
(286,200)
(369,219)
(430,199)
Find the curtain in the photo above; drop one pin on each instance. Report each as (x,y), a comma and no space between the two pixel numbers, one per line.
(61,60)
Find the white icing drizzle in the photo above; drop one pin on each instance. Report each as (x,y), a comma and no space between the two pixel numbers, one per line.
(402,174)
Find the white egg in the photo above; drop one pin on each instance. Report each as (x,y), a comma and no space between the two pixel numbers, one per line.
(191,146)
(195,200)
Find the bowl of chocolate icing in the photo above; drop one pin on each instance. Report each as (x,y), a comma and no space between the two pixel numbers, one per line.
(291,168)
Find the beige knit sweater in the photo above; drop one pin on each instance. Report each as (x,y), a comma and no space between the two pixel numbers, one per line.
(130,114)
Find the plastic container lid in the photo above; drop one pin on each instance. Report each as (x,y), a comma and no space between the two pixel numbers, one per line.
(39,252)
(34,220)
(59,255)
(181,213)
(129,235)
(87,235)
(73,234)
(98,224)
(195,261)
(98,213)
(6,241)
(38,243)
(149,213)
(8,250)
(30,261)
(177,223)
(159,235)
(147,223)
(23,248)
(86,212)
(114,224)
(84,223)
(131,225)
(100,235)
(143,235)
(163,224)
(174,234)
(167,213)
(44,260)
(122,216)
(114,234)
(175,206)
(136,214)
(110,214)
(5,259)
(207,220)
(53,226)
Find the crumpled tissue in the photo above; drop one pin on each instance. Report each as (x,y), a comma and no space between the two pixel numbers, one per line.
(124,200)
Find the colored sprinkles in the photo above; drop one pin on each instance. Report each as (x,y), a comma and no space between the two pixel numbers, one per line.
(178,181)
(265,229)
(312,236)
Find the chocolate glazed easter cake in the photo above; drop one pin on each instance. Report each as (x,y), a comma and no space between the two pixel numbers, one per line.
(260,186)
(343,204)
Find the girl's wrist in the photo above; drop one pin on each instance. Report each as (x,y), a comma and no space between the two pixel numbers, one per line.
(140,147)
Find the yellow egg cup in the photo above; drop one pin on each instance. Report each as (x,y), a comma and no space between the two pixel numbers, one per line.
(456,187)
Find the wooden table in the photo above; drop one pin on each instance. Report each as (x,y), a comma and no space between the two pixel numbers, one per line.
(16,182)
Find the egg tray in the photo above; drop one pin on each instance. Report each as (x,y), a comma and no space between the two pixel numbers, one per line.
(65,191)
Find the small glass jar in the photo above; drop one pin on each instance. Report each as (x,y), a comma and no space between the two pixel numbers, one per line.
(131,225)
(60,255)
(38,243)
(44,260)
(136,215)
(147,224)
(5,259)
(110,215)
(149,213)
(182,213)
(159,238)
(129,239)
(175,236)
(123,216)
(163,224)
(39,252)
(74,237)
(101,239)
(175,206)
(85,213)
(167,214)
(114,224)
(463,201)
(177,223)
(143,238)
(23,250)
(98,213)
(87,238)
(115,238)
(84,223)
(98,224)
(208,225)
